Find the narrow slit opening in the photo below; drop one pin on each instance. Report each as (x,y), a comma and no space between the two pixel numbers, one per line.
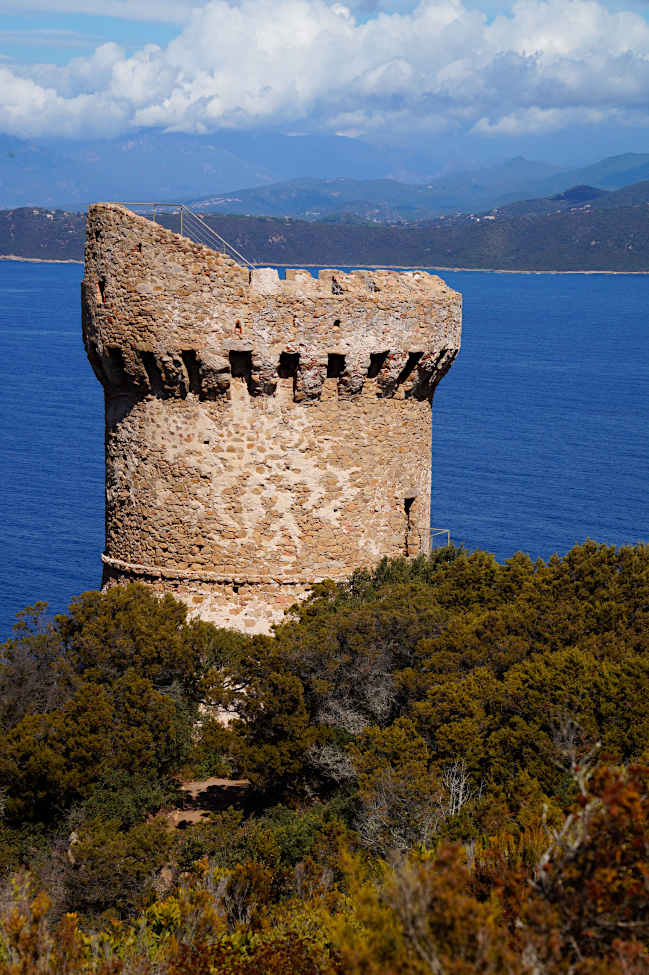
(288,365)
(413,359)
(153,373)
(407,505)
(335,365)
(377,361)
(193,372)
(99,290)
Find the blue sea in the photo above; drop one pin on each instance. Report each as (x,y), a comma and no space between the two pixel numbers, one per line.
(540,430)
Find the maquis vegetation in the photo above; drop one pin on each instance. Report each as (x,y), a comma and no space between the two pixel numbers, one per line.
(445,764)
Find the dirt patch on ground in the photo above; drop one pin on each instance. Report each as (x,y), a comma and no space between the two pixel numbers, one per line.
(213,795)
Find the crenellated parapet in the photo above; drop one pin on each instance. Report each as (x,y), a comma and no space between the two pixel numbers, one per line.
(208,375)
(260,432)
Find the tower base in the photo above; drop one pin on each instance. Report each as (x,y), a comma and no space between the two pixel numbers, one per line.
(251,606)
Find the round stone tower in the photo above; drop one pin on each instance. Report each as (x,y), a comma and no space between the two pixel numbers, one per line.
(261,435)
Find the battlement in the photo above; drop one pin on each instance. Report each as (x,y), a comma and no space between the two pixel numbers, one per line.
(260,432)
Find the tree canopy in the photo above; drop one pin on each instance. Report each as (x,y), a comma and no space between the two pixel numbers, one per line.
(448,766)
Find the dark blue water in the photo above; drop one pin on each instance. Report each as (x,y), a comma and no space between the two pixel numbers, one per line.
(51,442)
(541,428)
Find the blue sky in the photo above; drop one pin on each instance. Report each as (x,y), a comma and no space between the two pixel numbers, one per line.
(58,37)
(562,80)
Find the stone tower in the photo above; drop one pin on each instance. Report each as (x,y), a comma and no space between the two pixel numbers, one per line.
(261,435)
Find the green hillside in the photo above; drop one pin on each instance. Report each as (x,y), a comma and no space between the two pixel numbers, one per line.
(584,240)
(46,235)
(581,197)
(609,232)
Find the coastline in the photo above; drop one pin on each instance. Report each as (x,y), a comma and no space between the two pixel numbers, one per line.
(387,267)
(423,267)
(37,260)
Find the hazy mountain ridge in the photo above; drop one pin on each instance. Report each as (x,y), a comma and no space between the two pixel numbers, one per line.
(343,175)
(389,201)
(173,166)
(577,198)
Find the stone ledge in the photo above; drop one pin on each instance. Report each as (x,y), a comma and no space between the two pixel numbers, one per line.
(187,575)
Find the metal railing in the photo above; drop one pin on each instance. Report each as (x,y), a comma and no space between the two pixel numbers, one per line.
(438,538)
(191,226)
(416,539)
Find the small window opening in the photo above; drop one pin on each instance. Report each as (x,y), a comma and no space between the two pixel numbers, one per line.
(241,365)
(193,372)
(413,359)
(337,323)
(115,366)
(335,365)
(99,290)
(377,361)
(153,372)
(237,328)
(139,248)
(335,287)
(288,365)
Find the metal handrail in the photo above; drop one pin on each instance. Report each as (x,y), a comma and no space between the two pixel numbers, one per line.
(199,231)
(438,531)
(432,533)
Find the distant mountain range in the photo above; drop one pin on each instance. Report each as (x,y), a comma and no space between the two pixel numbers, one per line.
(390,201)
(172,166)
(578,198)
(583,228)
(309,177)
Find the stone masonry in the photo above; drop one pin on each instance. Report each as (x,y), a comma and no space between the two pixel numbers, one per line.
(261,435)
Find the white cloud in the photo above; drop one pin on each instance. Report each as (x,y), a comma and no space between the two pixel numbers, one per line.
(547,65)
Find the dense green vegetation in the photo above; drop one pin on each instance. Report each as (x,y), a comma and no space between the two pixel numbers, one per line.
(446,760)
(522,237)
(572,240)
(46,235)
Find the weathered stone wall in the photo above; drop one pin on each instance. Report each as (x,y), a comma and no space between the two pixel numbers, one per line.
(260,434)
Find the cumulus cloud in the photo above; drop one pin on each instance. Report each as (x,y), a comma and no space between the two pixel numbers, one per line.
(546,65)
